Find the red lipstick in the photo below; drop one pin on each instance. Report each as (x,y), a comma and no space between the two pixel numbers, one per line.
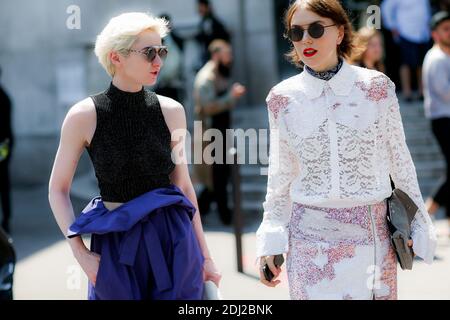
(309,52)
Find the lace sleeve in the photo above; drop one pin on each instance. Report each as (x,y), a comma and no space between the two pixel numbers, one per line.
(403,173)
(272,235)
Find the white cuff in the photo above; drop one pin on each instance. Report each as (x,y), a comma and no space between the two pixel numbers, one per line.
(271,239)
(424,244)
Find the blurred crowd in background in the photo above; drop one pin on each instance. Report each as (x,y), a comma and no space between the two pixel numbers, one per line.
(410,34)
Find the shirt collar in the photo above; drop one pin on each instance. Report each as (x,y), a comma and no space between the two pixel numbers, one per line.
(341,83)
(326,75)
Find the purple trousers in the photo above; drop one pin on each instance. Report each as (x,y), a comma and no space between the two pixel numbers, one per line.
(148,247)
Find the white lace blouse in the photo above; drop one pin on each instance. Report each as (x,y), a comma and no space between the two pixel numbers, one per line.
(333,144)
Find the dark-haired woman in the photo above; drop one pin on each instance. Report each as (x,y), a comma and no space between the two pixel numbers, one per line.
(336,136)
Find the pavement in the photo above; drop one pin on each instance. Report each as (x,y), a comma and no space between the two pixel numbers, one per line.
(46,269)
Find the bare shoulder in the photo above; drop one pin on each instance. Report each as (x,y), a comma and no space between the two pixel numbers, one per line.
(173,112)
(169,104)
(81,120)
(82,110)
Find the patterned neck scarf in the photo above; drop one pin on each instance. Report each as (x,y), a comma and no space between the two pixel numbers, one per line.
(325,75)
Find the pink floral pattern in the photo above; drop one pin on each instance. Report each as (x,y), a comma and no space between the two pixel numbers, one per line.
(387,260)
(331,253)
(389,276)
(355,216)
(276,103)
(377,89)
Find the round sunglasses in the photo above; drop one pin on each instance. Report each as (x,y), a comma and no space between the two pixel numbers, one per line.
(315,31)
(151,52)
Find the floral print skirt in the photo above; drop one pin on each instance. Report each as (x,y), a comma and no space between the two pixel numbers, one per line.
(342,253)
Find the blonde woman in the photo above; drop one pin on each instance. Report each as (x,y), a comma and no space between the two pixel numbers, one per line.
(147,239)
(336,135)
(369,49)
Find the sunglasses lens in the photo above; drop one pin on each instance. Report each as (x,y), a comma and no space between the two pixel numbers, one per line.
(151,54)
(163,53)
(316,30)
(295,34)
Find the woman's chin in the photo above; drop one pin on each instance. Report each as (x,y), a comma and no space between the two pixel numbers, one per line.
(150,82)
(312,63)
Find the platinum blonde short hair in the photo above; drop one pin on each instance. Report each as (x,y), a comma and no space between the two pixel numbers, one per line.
(122,31)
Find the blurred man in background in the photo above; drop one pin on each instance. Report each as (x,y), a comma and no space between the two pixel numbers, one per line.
(436,81)
(409,23)
(210,29)
(215,96)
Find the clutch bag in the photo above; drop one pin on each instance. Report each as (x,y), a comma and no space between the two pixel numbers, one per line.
(400,213)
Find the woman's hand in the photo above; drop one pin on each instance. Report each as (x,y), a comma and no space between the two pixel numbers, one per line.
(275,270)
(210,272)
(89,261)
(410,244)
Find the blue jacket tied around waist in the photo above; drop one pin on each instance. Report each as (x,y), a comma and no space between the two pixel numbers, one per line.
(147,245)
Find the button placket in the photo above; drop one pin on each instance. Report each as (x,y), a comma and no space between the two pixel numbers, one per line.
(332,130)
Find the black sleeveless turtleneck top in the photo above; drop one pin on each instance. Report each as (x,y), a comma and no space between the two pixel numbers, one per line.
(130,149)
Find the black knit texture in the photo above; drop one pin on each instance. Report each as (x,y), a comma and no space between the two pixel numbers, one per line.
(130,149)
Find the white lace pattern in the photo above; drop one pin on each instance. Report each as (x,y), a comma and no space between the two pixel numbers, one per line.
(334,144)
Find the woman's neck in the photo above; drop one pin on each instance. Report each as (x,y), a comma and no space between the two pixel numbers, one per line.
(124,85)
(328,66)
(328,73)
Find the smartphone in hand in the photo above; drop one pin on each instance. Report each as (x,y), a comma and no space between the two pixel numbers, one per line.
(278,261)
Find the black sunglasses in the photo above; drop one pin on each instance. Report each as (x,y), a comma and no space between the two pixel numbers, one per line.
(151,52)
(315,31)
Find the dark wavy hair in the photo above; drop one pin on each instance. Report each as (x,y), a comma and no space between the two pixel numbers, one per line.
(331,9)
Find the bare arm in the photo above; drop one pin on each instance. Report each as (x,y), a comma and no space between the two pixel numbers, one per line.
(77,126)
(176,121)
